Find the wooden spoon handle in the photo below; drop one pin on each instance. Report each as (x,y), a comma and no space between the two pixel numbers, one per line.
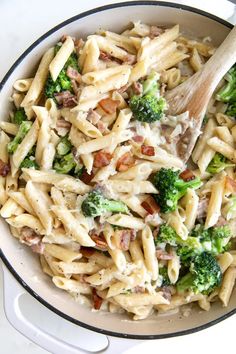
(222,60)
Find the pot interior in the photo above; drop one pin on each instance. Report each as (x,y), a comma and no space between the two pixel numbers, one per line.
(21,259)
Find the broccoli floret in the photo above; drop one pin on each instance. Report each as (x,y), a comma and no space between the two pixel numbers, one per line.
(171,188)
(148,106)
(166,235)
(23,130)
(218,164)
(163,273)
(214,239)
(203,277)
(96,204)
(19,116)
(63,82)
(231,110)
(228,92)
(64,146)
(68,165)
(29,163)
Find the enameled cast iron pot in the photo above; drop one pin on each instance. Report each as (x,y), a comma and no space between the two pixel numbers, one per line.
(22,263)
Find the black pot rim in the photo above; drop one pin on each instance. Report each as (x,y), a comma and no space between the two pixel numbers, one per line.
(4,258)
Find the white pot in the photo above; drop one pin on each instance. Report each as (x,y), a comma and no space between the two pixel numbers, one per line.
(23,264)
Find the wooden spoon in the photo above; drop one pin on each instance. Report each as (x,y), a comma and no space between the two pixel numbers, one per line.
(193,95)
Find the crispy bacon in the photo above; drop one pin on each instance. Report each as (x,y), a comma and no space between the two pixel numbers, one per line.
(187,175)
(138,138)
(62,123)
(38,248)
(101,159)
(105,56)
(75,87)
(202,207)
(124,162)
(155,31)
(102,127)
(87,251)
(29,236)
(221,221)
(109,105)
(4,168)
(230,184)
(147,150)
(129,59)
(85,177)
(97,300)
(139,289)
(166,292)
(100,241)
(150,205)
(73,74)
(163,255)
(123,88)
(79,43)
(93,116)
(66,99)
(137,88)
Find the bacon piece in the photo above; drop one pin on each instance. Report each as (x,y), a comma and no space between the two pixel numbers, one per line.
(230,184)
(150,205)
(163,255)
(166,292)
(202,207)
(221,221)
(137,88)
(147,150)
(72,73)
(97,300)
(138,138)
(87,251)
(102,159)
(100,241)
(123,88)
(155,31)
(105,56)
(129,59)
(75,87)
(38,248)
(79,43)
(4,168)
(124,162)
(109,105)
(29,236)
(139,289)
(62,123)
(85,177)
(102,127)
(66,99)
(93,116)
(187,175)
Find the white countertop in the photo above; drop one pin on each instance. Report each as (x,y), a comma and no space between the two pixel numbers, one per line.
(23,21)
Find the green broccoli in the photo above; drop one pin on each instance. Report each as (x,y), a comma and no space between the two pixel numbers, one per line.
(171,188)
(63,82)
(64,146)
(163,274)
(218,164)
(203,277)
(148,106)
(19,116)
(231,109)
(167,235)
(228,92)
(23,130)
(68,165)
(29,163)
(214,240)
(96,204)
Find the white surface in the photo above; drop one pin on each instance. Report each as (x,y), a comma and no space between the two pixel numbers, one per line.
(23,21)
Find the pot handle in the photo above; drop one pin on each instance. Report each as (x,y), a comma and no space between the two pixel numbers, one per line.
(13,291)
